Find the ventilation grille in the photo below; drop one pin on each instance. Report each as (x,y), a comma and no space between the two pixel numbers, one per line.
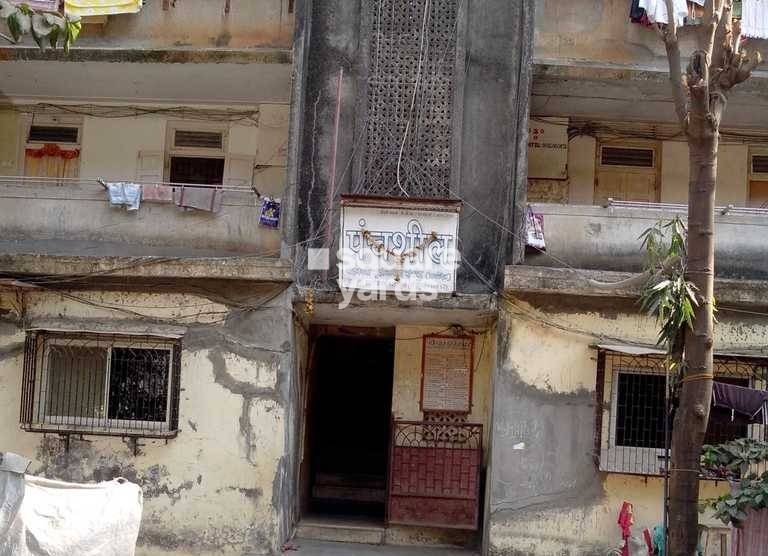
(53,134)
(407,132)
(760,164)
(198,139)
(623,156)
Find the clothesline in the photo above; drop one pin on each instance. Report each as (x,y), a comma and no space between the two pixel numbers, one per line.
(236,188)
(22,180)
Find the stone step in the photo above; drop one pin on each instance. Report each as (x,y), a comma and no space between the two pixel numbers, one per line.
(327,530)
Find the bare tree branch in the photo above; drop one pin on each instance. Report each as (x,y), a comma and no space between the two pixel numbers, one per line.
(669,36)
(720,47)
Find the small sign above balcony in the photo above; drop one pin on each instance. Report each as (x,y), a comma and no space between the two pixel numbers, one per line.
(399,245)
(548,148)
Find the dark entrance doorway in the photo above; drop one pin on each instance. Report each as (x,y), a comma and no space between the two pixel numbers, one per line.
(349,419)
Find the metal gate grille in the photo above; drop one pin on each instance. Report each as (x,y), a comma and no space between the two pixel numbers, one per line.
(410,97)
(434,476)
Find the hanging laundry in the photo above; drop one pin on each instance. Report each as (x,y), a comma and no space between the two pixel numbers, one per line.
(204,198)
(39,5)
(157,193)
(657,10)
(750,404)
(636,13)
(101,7)
(126,195)
(754,19)
(270,212)
(534,230)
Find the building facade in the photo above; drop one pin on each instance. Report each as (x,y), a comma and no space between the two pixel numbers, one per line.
(580,386)
(220,345)
(153,342)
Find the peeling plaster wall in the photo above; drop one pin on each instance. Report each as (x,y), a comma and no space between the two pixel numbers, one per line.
(249,24)
(406,390)
(218,486)
(546,495)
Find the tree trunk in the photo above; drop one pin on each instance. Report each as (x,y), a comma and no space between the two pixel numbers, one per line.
(692,415)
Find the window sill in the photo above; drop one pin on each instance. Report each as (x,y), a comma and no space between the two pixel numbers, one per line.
(89,431)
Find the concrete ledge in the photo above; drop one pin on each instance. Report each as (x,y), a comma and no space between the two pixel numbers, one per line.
(155,55)
(565,281)
(67,266)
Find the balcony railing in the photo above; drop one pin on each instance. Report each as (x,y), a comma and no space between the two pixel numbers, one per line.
(608,237)
(74,214)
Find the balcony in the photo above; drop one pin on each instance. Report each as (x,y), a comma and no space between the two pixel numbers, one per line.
(67,225)
(608,238)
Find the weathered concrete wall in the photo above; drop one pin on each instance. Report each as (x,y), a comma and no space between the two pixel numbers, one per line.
(195,24)
(406,389)
(111,149)
(607,239)
(219,486)
(546,495)
(600,31)
(494,88)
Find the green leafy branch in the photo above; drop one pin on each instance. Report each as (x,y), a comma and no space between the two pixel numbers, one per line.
(48,29)
(667,294)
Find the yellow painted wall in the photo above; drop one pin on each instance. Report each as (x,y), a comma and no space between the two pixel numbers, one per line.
(110,146)
(407,377)
(556,362)
(210,489)
(732,178)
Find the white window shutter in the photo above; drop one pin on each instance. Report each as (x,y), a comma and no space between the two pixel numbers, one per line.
(239,170)
(150,166)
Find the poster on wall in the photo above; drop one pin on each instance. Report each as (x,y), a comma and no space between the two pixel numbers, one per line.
(548,148)
(399,245)
(446,377)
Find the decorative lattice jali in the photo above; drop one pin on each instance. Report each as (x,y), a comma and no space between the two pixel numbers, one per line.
(410,98)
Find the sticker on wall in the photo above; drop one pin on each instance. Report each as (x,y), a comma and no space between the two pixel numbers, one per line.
(270,212)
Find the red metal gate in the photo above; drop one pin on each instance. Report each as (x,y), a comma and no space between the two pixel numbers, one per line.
(434,474)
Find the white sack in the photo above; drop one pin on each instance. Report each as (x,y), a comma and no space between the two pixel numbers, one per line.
(66,519)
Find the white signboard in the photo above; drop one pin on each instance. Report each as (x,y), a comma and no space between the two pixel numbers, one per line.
(399,245)
(548,148)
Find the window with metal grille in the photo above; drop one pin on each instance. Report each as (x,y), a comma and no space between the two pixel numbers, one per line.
(410,95)
(630,420)
(53,134)
(626,156)
(198,139)
(101,384)
(759,164)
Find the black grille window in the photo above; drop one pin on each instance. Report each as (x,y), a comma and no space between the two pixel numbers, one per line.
(53,134)
(759,164)
(99,384)
(640,412)
(622,156)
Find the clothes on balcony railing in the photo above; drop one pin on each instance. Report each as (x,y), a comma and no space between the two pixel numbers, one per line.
(656,10)
(126,195)
(746,405)
(199,198)
(754,19)
(40,5)
(270,212)
(101,7)
(534,230)
(157,193)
